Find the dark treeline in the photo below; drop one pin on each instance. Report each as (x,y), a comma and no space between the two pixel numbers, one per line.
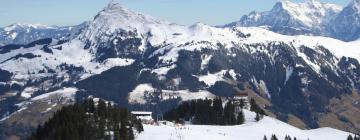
(206,112)
(87,121)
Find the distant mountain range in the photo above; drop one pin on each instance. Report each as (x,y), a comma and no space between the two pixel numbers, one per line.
(146,63)
(310,18)
(26,33)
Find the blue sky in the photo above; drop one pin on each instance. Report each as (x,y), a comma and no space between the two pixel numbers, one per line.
(71,12)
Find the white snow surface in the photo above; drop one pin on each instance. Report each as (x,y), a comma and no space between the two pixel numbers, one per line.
(338,47)
(250,130)
(137,95)
(111,62)
(211,79)
(205,61)
(289,71)
(28,91)
(65,92)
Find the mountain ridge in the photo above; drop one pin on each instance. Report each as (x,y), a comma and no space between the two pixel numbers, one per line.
(22,33)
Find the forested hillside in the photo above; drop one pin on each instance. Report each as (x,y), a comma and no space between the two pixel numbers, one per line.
(212,112)
(90,120)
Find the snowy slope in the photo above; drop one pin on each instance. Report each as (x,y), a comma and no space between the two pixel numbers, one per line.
(251,130)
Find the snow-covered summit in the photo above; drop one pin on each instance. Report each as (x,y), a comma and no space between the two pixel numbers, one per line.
(309,14)
(114,17)
(311,17)
(346,24)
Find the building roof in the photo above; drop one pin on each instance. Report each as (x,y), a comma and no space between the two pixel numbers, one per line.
(241,94)
(141,112)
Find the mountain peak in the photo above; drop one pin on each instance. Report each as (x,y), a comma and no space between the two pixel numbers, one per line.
(115,18)
(115,14)
(316,4)
(356,1)
(280,5)
(313,1)
(355,4)
(115,7)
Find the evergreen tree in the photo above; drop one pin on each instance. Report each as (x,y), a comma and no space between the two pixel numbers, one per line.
(242,104)
(229,114)
(206,112)
(350,137)
(90,106)
(240,118)
(75,122)
(356,137)
(287,137)
(257,117)
(138,125)
(117,135)
(101,108)
(218,108)
(124,132)
(101,127)
(131,133)
(273,137)
(253,105)
(264,137)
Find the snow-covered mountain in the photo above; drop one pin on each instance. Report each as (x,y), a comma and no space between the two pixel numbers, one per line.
(147,63)
(26,33)
(346,24)
(309,18)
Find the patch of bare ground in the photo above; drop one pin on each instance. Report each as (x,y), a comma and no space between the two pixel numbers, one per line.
(344,113)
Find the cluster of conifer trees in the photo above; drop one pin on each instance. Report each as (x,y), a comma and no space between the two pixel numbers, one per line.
(356,137)
(209,112)
(287,137)
(91,121)
(273,137)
